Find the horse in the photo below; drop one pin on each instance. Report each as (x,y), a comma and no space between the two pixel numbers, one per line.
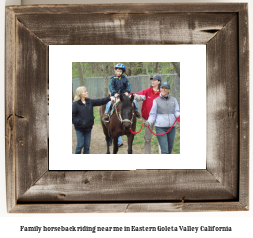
(120,123)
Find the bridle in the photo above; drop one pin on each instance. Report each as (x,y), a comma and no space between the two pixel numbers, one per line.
(120,118)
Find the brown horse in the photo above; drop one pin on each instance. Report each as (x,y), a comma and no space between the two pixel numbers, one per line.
(120,123)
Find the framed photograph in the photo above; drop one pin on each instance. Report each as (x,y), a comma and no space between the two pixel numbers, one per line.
(61,65)
(42,42)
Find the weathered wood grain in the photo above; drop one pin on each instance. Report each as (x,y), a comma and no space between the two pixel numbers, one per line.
(223,186)
(129,207)
(10,60)
(125,29)
(222,107)
(186,207)
(30,108)
(155,185)
(156,8)
(69,208)
(244,106)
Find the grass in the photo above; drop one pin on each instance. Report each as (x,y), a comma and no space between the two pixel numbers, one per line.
(96,113)
(139,138)
(176,147)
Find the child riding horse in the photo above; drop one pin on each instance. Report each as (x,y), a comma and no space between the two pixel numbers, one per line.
(120,123)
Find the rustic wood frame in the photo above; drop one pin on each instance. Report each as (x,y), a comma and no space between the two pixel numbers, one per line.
(223,186)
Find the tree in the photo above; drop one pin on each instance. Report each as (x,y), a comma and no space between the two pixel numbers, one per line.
(128,69)
(146,65)
(138,66)
(177,67)
(74,70)
(80,73)
(155,67)
(112,65)
(104,68)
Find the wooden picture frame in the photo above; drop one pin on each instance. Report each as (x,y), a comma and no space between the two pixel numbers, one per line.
(222,186)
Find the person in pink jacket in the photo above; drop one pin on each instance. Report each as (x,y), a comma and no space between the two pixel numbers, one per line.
(147,96)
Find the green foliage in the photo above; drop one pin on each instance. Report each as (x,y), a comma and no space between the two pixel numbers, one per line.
(96,114)
(74,70)
(95,69)
(139,138)
(165,68)
(176,147)
(154,143)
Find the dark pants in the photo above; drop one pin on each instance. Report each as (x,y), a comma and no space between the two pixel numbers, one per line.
(83,141)
(166,141)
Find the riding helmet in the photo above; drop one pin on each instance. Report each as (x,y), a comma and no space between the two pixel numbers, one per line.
(120,66)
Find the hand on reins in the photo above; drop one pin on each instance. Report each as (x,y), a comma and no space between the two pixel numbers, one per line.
(146,124)
(126,93)
(178,119)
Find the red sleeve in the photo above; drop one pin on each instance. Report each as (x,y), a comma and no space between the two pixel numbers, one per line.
(143,92)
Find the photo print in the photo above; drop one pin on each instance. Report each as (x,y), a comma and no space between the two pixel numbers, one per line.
(125,128)
(128,106)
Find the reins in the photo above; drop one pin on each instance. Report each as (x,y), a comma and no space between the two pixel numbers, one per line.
(152,131)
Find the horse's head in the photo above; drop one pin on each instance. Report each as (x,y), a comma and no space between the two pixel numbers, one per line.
(127,111)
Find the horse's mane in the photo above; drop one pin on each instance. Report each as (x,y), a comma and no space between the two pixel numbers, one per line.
(126,103)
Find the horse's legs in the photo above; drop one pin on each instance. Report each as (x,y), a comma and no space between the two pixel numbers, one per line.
(115,144)
(107,138)
(130,139)
(110,142)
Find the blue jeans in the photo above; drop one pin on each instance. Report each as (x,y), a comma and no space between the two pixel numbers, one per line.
(83,141)
(166,141)
(110,102)
(119,140)
(135,106)
(107,107)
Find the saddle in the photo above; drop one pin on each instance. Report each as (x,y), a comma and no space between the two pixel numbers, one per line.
(112,108)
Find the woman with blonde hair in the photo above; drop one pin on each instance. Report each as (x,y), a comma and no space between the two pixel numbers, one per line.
(83,118)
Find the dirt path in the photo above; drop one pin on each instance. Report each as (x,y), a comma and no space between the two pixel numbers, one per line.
(98,143)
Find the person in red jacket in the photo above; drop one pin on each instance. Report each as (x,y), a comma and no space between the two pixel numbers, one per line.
(147,96)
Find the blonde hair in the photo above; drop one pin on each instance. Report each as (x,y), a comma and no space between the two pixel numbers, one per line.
(79,91)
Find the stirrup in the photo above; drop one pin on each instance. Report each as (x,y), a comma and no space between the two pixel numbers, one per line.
(106,119)
(137,114)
